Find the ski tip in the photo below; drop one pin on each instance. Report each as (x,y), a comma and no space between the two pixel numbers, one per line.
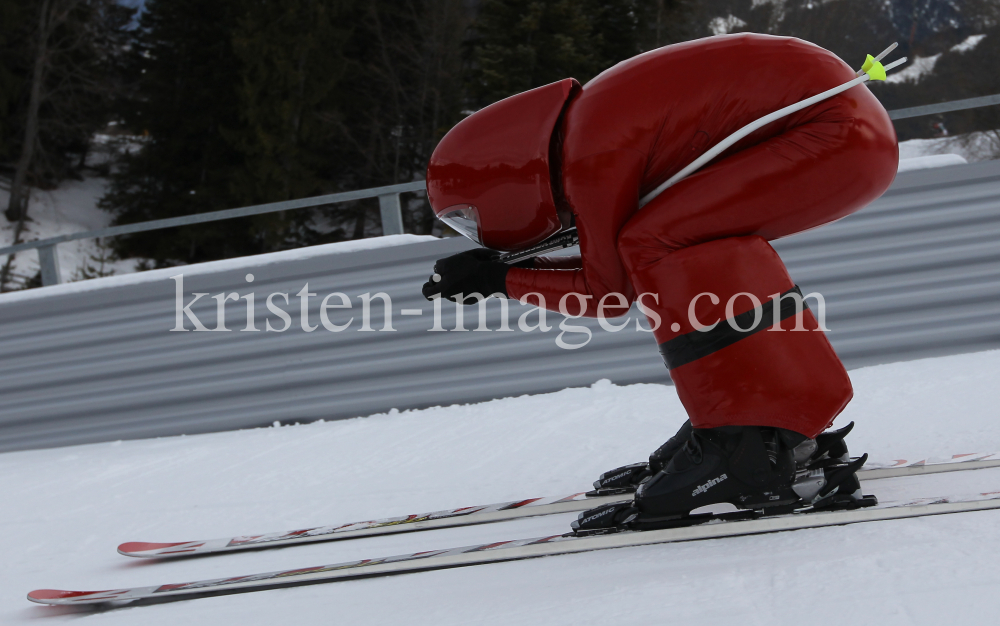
(141,548)
(41,595)
(59,596)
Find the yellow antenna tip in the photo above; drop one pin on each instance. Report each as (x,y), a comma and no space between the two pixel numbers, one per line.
(875,70)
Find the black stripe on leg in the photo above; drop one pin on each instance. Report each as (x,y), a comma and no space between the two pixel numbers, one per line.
(689,347)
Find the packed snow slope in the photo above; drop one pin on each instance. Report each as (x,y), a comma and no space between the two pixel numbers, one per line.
(65,510)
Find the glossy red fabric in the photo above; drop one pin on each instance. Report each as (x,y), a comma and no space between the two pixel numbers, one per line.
(787,376)
(498,160)
(643,120)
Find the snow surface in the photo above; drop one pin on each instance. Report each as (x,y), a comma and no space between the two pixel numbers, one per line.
(65,511)
(968,43)
(973,147)
(725,25)
(917,68)
(70,208)
(929,161)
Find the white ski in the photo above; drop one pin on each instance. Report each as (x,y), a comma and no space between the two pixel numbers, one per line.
(497,512)
(521,549)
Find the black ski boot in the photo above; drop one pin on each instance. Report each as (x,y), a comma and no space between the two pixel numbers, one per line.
(750,467)
(827,449)
(626,479)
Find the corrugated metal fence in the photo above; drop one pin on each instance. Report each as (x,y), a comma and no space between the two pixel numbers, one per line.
(915,274)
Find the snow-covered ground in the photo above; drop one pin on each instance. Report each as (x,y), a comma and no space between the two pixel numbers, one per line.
(978,146)
(930,161)
(65,510)
(917,68)
(70,208)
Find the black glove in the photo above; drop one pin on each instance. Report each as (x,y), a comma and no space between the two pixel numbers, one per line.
(466,273)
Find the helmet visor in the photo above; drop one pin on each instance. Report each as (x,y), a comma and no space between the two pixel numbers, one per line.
(464,219)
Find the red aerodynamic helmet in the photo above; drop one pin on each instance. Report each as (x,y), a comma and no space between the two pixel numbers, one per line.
(489,177)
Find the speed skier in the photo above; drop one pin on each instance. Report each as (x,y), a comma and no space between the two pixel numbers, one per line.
(696,257)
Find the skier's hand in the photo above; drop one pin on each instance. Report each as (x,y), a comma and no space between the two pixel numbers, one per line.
(466,273)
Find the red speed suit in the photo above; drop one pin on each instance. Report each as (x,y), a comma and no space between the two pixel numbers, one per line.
(638,123)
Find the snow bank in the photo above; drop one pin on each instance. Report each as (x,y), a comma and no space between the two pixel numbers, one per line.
(917,68)
(725,25)
(978,146)
(65,510)
(968,43)
(71,208)
(929,161)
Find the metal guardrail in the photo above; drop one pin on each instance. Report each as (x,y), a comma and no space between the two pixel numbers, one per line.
(914,274)
(944,107)
(388,197)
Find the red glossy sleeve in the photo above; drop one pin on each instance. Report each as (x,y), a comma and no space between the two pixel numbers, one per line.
(603,190)
(573,262)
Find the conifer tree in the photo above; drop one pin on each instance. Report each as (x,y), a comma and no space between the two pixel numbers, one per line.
(12,41)
(665,22)
(186,84)
(57,81)
(403,91)
(290,60)
(836,26)
(522,44)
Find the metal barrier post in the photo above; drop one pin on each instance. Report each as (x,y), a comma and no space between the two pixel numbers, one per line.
(392,214)
(48,260)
